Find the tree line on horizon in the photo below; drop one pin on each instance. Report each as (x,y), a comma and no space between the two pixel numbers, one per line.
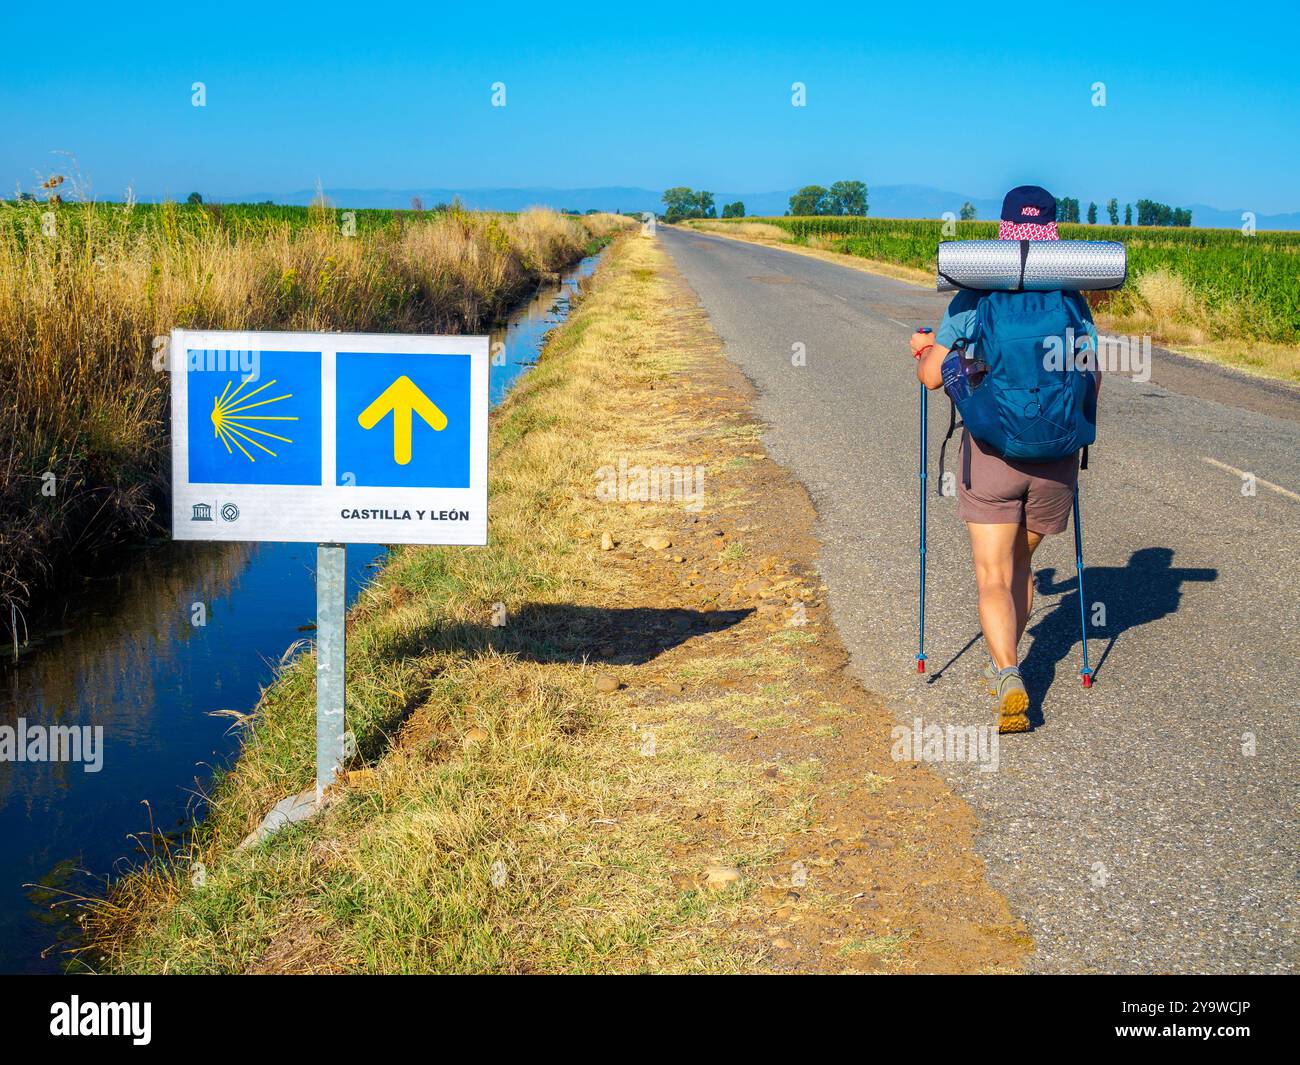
(842,198)
(849,198)
(1150,212)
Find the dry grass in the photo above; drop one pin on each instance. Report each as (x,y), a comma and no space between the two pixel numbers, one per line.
(603,224)
(84,290)
(1160,301)
(551,845)
(761,232)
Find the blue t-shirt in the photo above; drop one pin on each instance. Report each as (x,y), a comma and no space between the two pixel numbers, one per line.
(959,319)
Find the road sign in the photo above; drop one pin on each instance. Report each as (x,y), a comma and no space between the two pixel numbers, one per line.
(329,437)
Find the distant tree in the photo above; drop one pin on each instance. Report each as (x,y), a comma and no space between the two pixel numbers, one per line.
(1128,214)
(1154,213)
(1067,209)
(1092,214)
(417,204)
(733,210)
(967,212)
(811,199)
(1112,211)
(846,198)
(679,202)
(682,202)
(194,197)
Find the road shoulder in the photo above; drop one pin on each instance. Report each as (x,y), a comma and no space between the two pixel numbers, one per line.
(622,737)
(1184,372)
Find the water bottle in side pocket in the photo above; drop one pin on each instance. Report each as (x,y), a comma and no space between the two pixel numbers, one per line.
(963,372)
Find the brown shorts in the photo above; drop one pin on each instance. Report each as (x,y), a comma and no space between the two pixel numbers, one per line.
(1038,495)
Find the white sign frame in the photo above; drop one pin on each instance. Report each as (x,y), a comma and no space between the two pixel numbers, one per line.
(318,513)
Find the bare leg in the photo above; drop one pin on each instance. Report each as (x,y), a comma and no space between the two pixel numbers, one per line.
(1022,577)
(994,550)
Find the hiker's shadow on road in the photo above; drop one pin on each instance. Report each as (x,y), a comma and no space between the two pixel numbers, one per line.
(1118,598)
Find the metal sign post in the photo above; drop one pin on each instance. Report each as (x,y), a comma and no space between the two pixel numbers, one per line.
(331,607)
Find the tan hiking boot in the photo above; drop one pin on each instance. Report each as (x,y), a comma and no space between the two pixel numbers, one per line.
(1013,702)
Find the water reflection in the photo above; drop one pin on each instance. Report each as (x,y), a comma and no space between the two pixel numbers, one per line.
(515,347)
(136,664)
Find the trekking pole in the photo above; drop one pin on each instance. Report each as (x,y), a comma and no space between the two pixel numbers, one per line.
(920,652)
(1085,672)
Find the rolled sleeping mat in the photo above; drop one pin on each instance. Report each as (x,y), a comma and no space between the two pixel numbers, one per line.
(1030,265)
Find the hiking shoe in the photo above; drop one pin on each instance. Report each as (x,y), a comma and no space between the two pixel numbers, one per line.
(990,677)
(1013,702)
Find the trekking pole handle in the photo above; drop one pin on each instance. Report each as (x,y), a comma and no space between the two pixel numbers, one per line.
(923,329)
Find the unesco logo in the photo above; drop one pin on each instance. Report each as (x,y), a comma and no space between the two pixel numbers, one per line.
(203,512)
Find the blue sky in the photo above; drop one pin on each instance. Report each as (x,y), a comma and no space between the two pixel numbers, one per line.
(1202,104)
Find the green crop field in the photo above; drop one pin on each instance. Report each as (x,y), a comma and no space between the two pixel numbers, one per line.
(26,218)
(1243,286)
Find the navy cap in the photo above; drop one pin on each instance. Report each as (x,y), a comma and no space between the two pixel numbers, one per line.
(1029,203)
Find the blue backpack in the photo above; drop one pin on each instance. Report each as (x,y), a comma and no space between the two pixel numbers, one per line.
(1015,382)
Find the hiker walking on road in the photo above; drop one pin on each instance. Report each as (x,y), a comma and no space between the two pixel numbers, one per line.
(1002,341)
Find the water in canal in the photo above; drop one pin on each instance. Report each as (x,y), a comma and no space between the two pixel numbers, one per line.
(124,654)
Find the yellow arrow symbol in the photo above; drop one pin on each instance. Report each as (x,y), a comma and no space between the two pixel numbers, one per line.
(402,397)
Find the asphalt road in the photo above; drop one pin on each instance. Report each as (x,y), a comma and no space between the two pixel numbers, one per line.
(1147,824)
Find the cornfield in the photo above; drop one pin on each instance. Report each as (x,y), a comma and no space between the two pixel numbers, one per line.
(1248,286)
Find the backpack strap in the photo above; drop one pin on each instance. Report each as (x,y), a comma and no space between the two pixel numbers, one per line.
(952,428)
(965,459)
(1024,258)
(959,345)
(1084,464)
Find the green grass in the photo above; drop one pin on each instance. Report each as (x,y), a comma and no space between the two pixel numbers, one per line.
(238,219)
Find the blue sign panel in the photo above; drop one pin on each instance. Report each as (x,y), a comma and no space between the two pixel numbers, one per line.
(254,429)
(402,420)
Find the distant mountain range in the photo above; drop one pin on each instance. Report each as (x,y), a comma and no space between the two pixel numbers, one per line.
(885,201)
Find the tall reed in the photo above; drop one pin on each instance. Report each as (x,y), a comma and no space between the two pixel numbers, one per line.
(86,288)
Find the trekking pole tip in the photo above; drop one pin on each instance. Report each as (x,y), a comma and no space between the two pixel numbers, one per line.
(1087,679)
(920,663)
